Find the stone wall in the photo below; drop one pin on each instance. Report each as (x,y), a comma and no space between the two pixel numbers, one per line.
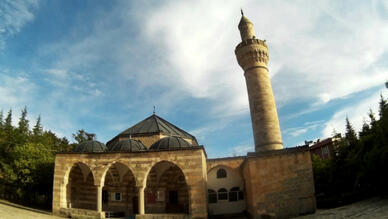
(231,162)
(279,183)
(191,161)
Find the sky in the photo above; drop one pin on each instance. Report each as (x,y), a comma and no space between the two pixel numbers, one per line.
(102,65)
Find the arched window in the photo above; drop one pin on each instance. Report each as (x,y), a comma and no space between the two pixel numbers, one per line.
(233,194)
(222,194)
(212,196)
(221,173)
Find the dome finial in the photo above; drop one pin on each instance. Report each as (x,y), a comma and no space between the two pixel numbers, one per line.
(242,13)
(154,111)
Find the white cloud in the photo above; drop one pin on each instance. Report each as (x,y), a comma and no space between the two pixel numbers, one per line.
(15,91)
(242,150)
(356,114)
(307,126)
(318,51)
(14,14)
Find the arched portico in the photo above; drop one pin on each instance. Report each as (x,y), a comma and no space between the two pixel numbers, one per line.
(111,172)
(81,191)
(166,189)
(119,195)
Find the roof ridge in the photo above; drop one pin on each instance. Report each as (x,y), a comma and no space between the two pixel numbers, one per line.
(176,127)
(156,120)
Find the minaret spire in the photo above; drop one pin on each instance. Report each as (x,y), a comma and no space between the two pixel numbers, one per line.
(246,28)
(252,56)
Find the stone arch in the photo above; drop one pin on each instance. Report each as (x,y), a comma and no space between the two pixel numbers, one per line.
(119,193)
(166,189)
(71,165)
(104,171)
(220,166)
(143,182)
(80,186)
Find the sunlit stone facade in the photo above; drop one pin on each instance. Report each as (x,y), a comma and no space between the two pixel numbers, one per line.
(156,170)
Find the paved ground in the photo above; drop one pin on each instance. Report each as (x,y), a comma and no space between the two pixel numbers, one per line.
(12,211)
(371,208)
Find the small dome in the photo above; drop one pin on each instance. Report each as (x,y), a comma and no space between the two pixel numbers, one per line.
(90,147)
(128,145)
(172,142)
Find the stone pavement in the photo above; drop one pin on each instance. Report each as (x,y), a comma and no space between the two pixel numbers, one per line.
(371,208)
(13,211)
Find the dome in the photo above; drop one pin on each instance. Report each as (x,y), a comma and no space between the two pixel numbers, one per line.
(128,145)
(90,147)
(172,142)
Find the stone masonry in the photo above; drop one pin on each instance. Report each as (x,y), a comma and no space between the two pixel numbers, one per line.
(252,56)
(192,163)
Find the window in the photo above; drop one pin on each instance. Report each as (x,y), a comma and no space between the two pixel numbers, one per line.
(222,194)
(221,173)
(233,194)
(325,150)
(116,196)
(212,196)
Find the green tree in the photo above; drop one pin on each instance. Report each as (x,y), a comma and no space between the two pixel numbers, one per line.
(37,131)
(1,120)
(22,131)
(23,122)
(82,136)
(33,165)
(8,138)
(350,134)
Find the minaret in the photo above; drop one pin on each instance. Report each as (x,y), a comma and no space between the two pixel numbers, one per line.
(252,56)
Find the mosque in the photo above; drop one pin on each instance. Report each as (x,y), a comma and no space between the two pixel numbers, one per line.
(154,169)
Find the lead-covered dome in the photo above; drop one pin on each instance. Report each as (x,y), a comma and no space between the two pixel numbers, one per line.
(172,142)
(128,145)
(90,147)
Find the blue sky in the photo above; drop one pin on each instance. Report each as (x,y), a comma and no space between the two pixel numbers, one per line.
(102,65)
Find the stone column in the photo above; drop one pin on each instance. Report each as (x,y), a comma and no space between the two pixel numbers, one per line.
(99,198)
(140,190)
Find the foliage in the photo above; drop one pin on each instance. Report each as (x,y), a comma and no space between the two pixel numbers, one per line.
(82,136)
(27,160)
(359,165)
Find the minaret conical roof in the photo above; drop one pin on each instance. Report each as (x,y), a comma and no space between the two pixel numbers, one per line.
(244,21)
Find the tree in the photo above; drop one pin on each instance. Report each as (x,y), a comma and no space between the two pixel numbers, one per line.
(350,134)
(8,138)
(8,120)
(38,129)
(23,132)
(23,122)
(82,136)
(1,120)
(383,106)
(365,130)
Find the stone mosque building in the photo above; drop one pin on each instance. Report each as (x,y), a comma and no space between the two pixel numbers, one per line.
(156,170)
